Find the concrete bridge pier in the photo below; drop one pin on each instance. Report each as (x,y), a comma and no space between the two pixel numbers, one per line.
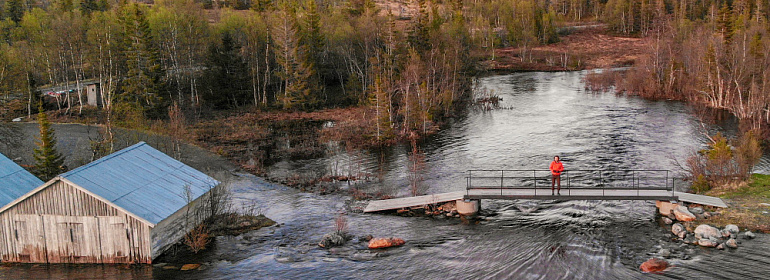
(468,207)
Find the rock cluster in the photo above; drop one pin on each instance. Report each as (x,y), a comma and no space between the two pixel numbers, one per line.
(333,239)
(703,235)
(709,236)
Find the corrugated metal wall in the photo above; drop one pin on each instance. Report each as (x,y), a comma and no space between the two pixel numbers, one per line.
(62,224)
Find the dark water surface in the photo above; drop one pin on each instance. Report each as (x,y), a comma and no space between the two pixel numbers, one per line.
(543,114)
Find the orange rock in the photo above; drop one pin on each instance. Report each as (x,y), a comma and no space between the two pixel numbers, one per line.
(654,265)
(377,243)
(684,215)
(190,266)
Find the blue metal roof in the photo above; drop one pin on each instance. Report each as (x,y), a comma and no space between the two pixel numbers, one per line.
(15,181)
(143,181)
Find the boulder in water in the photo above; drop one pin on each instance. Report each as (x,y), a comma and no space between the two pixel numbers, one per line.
(190,266)
(667,221)
(654,265)
(378,243)
(332,239)
(677,229)
(707,243)
(664,253)
(732,229)
(731,243)
(749,235)
(684,215)
(706,231)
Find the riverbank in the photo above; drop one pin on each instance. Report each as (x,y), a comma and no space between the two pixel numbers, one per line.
(587,46)
(749,204)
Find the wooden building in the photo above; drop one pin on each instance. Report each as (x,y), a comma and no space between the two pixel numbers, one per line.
(127,207)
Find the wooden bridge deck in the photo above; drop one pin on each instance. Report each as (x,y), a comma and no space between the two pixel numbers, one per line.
(545,194)
(403,202)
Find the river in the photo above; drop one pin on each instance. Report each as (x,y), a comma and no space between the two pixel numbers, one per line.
(540,115)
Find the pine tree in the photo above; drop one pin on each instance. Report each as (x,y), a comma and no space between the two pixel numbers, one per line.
(144,85)
(15,10)
(314,41)
(227,74)
(48,161)
(290,56)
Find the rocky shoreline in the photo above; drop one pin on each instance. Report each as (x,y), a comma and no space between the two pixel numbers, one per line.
(690,229)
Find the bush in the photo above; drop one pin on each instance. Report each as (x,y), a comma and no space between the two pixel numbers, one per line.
(700,184)
(198,238)
(722,164)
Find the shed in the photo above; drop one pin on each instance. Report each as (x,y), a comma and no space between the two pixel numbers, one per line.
(127,207)
(15,181)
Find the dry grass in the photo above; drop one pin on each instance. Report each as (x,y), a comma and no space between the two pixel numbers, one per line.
(584,48)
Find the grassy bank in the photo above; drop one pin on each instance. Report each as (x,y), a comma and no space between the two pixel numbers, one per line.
(746,204)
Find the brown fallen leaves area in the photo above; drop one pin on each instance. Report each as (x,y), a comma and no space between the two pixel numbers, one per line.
(586,47)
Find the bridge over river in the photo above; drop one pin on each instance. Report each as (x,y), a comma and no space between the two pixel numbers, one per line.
(656,185)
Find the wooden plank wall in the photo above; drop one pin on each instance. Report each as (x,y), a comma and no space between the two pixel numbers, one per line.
(64,224)
(171,230)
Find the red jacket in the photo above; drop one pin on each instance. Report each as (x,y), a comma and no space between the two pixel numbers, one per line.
(556,168)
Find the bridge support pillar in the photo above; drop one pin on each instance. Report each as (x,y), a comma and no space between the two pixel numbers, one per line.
(468,207)
(665,207)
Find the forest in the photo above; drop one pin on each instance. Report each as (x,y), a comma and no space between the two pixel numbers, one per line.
(408,65)
(408,62)
(710,53)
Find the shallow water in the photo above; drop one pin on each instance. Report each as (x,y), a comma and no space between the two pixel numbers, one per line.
(543,114)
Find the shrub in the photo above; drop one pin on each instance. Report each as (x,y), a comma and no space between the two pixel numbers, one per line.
(198,238)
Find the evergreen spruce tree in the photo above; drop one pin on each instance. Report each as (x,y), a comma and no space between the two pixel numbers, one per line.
(227,75)
(144,85)
(15,10)
(313,40)
(48,161)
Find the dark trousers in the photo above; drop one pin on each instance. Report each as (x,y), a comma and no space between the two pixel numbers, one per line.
(556,179)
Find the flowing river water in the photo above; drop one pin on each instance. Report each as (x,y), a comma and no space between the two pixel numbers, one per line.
(540,115)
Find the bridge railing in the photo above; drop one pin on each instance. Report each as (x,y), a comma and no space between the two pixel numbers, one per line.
(605,179)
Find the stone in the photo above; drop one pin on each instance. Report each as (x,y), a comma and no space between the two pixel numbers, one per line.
(190,266)
(677,229)
(706,231)
(378,243)
(749,235)
(696,210)
(654,265)
(16,120)
(332,239)
(721,246)
(731,243)
(665,207)
(725,233)
(707,243)
(664,253)
(732,229)
(684,215)
(682,234)
(667,221)
(706,215)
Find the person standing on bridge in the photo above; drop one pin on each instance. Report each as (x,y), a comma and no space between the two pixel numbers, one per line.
(556,169)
